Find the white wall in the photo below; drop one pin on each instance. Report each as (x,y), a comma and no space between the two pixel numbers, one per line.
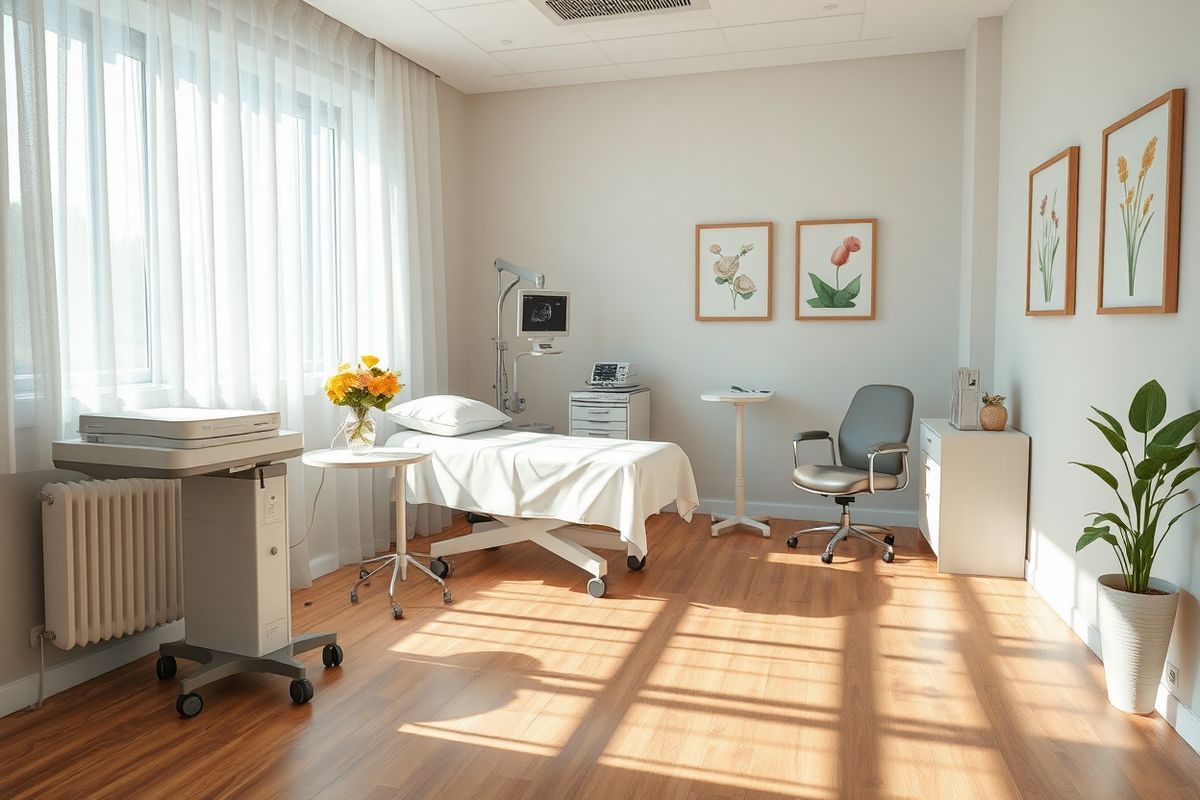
(452,124)
(1071,68)
(600,187)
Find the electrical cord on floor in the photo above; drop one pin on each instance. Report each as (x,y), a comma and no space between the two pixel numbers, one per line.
(313,514)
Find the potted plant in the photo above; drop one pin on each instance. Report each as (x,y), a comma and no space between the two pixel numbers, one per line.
(1137,611)
(993,416)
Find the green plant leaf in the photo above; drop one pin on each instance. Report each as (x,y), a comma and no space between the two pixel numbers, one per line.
(1148,468)
(1167,454)
(746,295)
(817,302)
(720,281)
(1183,476)
(1111,420)
(1173,432)
(1139,491)
(1101,473)
(841,299)
(1115,440)
(854,287)
(1148,408)
(1180,516)
(823,289)
(1108,516)
(1092,534)
(1181,455)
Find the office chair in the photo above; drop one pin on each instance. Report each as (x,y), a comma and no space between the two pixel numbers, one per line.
(873,445)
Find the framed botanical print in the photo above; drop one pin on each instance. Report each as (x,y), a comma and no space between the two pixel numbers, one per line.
(1140,188)
(733,271)
(1053,220)
(835,269)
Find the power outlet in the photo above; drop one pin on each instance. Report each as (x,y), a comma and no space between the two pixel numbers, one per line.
(35,635)
(1171,673)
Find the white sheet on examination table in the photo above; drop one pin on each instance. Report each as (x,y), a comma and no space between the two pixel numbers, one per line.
(610,482)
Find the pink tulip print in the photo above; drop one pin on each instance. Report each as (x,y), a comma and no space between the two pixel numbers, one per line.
(836,296)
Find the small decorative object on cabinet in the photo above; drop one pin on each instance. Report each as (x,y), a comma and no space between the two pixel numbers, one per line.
(993,416)
(1136,611)
(972,507)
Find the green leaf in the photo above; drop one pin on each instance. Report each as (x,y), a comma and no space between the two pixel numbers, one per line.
(1173,432)
(1108,516)
(746,295)
(1139,491)
(817,302)
(1111,420)
(841,299)
(1180,516)
(1148,408)
(1181,455)
(720,281)
(1116,440)
(1099,472)
(1092,534)
(1148,468)
(854,287)
(1183,476)
(823,289)
(1169,455)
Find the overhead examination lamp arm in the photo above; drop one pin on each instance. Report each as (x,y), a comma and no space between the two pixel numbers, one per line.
(536,278)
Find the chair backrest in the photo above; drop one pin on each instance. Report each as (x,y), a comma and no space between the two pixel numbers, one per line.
(878,413)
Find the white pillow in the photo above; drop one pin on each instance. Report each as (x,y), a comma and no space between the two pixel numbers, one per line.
(447,415)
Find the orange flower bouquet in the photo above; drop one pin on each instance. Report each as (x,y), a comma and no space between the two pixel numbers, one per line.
(362,388)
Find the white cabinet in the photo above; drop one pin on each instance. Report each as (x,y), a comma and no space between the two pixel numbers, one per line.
(610,415)
(973,501)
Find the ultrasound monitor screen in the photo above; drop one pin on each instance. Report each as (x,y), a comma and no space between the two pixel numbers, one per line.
(542,313)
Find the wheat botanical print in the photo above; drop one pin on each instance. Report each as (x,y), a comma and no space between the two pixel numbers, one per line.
(1049,238)
(1136,212)
(726,268)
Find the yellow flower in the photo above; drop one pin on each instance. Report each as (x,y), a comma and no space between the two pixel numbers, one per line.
(370,361)
(343,367)
(1122,169)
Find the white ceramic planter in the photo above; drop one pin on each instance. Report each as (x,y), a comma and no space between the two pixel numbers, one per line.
(1135,630)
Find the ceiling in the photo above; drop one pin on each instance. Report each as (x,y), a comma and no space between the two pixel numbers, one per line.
(499,45)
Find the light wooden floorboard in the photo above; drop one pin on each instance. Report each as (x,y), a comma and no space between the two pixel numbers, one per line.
(729,668)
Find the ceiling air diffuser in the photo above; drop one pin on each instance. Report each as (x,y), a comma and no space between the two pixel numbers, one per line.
(568,12)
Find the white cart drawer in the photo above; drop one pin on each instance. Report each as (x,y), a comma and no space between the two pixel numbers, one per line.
(583,413)
(931,443)
(929,503)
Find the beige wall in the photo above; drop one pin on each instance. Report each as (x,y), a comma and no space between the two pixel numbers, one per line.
(452,123)
(600,187)
(1061,90)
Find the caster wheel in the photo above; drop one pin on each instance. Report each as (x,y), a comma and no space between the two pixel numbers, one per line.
(889,539)
(635,563)
(440,567)
(189,705)
(332,655)
(827,558)
(596,587)
(165,668)
(888,556)
(362,573)
(354,595)
(793,542)
(397,612)
(301,691)
(447,598)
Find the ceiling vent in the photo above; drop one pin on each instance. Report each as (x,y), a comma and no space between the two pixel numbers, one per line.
(569,12)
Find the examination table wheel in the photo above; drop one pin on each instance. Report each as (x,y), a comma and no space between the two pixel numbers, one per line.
(189,705)
(596,587)
(165,668)
(332,655)
(889,539)
(397,611)
(793,542)
(635,563)
(827,558)
(440,567)
(888,556)
(301,691)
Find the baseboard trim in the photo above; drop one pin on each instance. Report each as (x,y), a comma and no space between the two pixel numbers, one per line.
(323,564)
(826,512)
(1178,716)
(22,692)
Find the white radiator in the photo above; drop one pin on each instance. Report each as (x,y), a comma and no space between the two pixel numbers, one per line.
(113,558)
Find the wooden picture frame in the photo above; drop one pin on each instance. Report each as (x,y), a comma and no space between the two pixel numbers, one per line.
(722,276)
(1134,209)
(1053,178)
(826,248)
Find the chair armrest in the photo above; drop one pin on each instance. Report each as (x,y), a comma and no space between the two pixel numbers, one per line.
(884,449)
(811,436)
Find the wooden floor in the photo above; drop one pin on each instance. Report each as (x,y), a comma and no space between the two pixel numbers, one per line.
(729,668)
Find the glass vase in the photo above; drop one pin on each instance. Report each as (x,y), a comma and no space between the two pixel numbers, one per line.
(359,429)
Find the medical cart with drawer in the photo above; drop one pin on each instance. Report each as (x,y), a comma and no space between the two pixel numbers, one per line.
(611,414)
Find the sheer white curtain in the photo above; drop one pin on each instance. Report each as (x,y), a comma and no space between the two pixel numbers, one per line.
(212,203)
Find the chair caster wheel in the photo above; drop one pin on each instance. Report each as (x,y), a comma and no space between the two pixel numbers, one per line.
(353,595)
(635,563)
(888,556)
(793,542)
(301,691)
(889,539)
(447,598)
(397,612)
(165,668)
(189,705)
(827,558)
(440,567)
(332,655)
(596,587)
